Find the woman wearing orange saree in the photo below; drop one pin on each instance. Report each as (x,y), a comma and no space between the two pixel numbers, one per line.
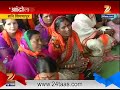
(65,48)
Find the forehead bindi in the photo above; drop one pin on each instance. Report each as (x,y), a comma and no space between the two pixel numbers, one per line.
(64,23)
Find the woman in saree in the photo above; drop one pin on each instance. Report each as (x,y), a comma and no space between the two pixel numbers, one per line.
(9,41)
(101,44)
(106,70)
(65,48)
(28,55)
(45,21)
(48,70)
(115,24)
(96,40)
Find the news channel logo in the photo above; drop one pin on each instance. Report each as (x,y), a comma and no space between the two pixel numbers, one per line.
(109,16)
(21,9)
(107,9)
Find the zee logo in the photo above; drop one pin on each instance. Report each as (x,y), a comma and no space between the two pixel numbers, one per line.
(10,81)
(107,9)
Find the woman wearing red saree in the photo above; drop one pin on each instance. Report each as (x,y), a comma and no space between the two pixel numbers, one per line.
(65,48)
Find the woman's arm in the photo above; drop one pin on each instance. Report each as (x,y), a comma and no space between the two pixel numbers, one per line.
(54,49)
(110,32)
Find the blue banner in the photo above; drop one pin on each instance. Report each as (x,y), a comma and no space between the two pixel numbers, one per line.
(114,79)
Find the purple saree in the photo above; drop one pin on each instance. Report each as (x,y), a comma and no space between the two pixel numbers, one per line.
(24,64)
(43,32)
(6,52)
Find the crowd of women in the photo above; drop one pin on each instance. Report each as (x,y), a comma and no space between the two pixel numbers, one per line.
(60,47)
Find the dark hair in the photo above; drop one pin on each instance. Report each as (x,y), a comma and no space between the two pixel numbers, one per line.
(71,17)
(4,21)
(59,20)
(98,17)
(46,65)
(30,33)
(41,15)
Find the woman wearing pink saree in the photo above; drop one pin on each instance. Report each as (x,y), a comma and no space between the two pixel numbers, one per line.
(28,54)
